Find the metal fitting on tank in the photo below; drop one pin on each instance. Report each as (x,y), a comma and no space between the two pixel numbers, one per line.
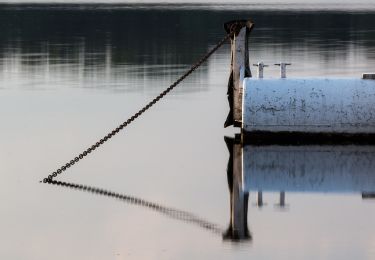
(283,68)
(260,66)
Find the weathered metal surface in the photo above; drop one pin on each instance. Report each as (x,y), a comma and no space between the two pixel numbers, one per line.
(309,105)
(239,69)
(239,62)
(338,169)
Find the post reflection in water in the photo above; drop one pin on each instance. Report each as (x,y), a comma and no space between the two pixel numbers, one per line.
(282,204)
(239,197)
(313,169)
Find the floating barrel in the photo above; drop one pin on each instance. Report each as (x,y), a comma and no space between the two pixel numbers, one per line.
(311,105)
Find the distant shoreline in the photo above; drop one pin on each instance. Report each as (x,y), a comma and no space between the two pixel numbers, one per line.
(235,6)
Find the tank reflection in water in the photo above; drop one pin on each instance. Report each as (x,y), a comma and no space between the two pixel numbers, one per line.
(293,168)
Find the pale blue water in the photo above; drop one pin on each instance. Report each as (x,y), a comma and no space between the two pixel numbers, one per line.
(70,73)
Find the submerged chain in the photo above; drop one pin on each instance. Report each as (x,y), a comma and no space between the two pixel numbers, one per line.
(80,156)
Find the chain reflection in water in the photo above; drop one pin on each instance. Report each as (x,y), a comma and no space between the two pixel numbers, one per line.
(170,212)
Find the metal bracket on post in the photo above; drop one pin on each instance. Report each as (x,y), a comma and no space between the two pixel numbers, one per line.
(261,67)
(283,68)
(239,62)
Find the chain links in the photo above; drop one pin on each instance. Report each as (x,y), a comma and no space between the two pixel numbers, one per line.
(79,157)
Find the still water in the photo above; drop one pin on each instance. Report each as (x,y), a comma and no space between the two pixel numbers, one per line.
(71,73)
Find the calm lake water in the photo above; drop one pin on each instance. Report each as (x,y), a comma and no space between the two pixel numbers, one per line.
(71,73)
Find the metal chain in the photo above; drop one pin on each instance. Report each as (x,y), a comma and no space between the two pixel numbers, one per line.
(170,212)
(79,157)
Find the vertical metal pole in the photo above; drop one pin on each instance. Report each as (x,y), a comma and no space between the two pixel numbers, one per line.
(260,66)
(239,61)
(260,72)
(283,69)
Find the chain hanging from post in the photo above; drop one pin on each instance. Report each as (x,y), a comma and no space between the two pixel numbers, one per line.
(49,178)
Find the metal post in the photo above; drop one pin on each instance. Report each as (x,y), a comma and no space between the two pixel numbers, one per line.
(283,68)
(260,66)
(239,61)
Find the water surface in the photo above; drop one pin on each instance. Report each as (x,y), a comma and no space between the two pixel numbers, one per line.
(70,73)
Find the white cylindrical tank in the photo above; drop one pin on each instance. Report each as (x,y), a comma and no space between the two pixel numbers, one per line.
(309,105)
